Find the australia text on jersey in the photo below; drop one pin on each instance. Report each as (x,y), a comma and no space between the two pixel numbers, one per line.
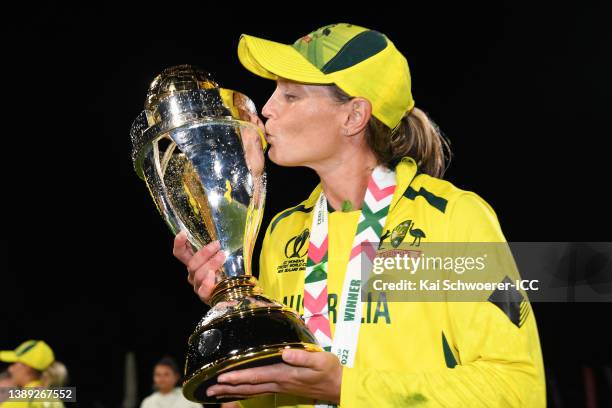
(376,311)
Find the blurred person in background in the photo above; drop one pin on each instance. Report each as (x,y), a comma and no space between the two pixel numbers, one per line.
(166,376)
(33,367)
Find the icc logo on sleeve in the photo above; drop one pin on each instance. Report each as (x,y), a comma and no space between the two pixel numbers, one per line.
(296,246)
(295,253)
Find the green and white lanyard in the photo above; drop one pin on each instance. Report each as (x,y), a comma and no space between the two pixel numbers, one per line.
(375,208)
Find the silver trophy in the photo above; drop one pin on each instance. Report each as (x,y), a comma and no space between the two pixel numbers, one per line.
(202,159)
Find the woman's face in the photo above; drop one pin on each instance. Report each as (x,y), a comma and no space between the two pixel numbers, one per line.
(304,126)
(22,374)
(165,378)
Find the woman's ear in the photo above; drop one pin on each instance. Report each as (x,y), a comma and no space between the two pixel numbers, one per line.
(359,114)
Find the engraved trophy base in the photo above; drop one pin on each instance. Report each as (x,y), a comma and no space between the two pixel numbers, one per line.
(243,329)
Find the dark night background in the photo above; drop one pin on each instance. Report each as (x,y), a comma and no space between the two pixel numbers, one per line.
(521,90)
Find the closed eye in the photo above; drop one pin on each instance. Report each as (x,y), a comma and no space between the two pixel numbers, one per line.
(290,97)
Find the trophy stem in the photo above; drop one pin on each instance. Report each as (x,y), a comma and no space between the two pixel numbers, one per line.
(235,288)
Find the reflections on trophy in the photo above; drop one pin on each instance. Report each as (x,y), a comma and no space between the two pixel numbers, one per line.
(200,150)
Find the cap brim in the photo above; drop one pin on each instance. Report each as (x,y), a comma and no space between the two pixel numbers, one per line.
(272,60)
(8,356)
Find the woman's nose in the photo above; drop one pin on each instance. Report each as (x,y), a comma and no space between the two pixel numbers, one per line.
(267,110)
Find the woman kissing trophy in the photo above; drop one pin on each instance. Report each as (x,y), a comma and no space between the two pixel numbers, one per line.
(203,163)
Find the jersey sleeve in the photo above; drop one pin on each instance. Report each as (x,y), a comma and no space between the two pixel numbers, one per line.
(498,360)
(267,278)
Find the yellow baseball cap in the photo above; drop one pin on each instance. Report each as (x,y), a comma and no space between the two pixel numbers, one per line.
(359,61)
(34,353)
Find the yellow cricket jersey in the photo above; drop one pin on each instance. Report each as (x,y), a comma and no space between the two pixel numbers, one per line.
(425,354)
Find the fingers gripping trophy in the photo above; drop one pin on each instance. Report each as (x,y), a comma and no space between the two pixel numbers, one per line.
(203,163)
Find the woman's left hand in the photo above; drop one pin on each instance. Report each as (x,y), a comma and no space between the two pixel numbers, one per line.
(316,375)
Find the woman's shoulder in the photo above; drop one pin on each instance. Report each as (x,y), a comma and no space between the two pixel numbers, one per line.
(438,194)
(428,185)
(434,193)
(296,215)
(467,215)
(457,214)
(448,195)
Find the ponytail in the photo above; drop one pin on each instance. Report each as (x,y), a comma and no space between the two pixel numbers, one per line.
(56,375)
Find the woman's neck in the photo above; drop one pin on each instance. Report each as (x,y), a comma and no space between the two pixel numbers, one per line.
(346,178)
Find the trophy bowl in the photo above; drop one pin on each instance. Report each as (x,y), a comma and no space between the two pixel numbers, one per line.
(202,158)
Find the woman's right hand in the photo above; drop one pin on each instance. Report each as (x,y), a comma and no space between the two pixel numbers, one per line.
(202,265)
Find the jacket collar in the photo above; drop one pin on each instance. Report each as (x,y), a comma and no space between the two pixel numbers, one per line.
(405,171)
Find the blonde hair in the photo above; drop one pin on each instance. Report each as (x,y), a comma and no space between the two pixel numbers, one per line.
(56,375)
(416,136)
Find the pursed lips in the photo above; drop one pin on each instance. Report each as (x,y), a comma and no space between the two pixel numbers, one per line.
(269,137)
